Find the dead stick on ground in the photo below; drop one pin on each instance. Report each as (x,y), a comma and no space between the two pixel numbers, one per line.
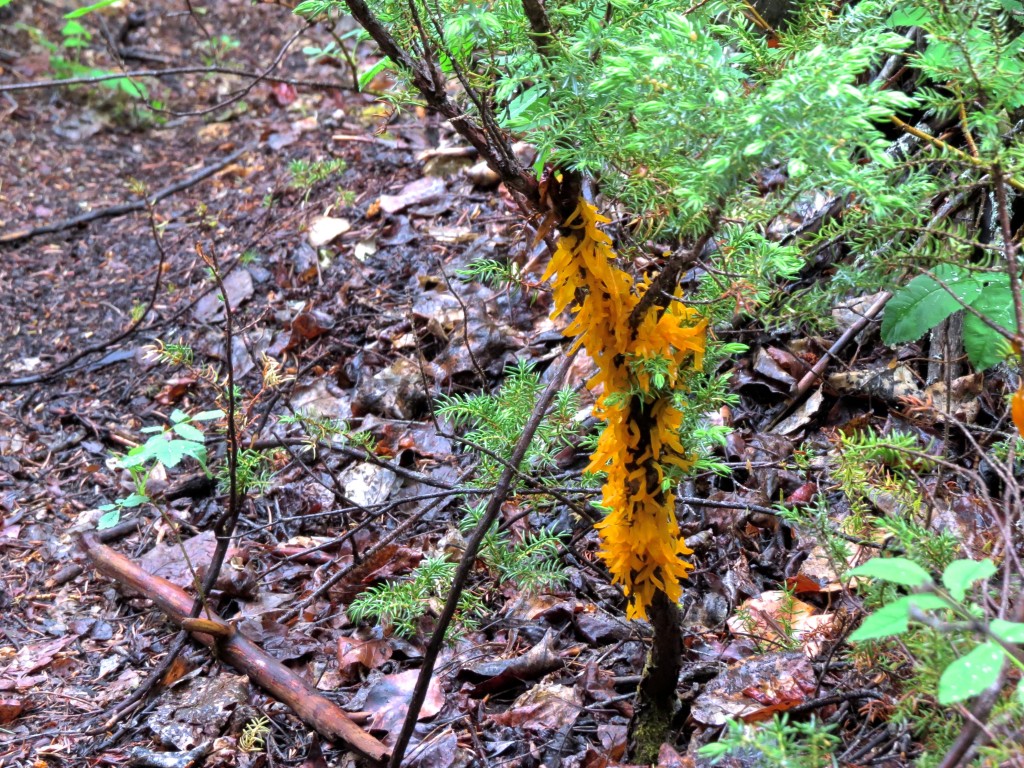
(168,72)
(265,671)
(468,560)
(814,375)
(121,209)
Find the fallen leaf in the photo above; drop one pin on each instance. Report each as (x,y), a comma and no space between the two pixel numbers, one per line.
(543,709)
(355,654)
(415,193)
(238,285)
(323,229)
(755,688)
(499,675)
(387,701)
(283,94)
(10,710)
(367,484)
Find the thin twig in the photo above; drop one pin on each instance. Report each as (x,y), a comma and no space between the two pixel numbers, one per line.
(960,154)
(665,282)
(296,609)
(158,73)
(122,208)
(144,204)
(1009,250)
(243,92)
(468,560)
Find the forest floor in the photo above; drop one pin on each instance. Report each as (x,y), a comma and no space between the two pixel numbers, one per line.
(349,283)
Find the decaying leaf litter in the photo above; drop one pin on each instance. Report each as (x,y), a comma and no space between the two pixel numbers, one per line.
(357,296)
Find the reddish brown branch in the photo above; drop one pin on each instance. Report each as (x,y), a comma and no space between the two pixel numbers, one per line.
(265,671)
(500,159)
(660,290)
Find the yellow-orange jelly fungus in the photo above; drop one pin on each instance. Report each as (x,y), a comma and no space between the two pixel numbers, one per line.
(640,534)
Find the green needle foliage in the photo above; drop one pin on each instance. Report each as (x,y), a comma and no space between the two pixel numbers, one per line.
(531,563)
(495,422)
(403,604)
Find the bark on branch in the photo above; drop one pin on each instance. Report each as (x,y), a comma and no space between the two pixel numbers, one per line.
(502,162)
(321,714)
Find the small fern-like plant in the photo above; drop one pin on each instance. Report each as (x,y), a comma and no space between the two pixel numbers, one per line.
(254,734)
(323,429)
(496,421)
(531,563)
(402,604)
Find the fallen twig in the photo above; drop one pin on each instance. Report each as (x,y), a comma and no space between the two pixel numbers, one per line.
(813,376)
(265,671)
(121,209)
(468,560)
(168,72)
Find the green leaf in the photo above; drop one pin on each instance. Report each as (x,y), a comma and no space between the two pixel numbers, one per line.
(132,501)
(909,17)
(178,416)
(984,346)
(922,303)
(898,570)
(133,89)
(971,674)
(960,574)
(137,456)
(939,55)
(171,452)
(1010,631)
(78,12)
(208,415)
(372,72)
(893,618)
(109,520)
(74,29)
(189,432)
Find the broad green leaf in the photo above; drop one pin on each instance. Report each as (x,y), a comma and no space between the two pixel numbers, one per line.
(939,55)
(171,452)
(208,415)
(133,89)
(893,618)
(137,456)
(909,17)
(1010,631)
(88,9)
(984,346)
(971,674)
(922,303)
(74,28)
(132,501)
(960,574)
(178,416)
(109,520)
(189,432)
(898,570)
